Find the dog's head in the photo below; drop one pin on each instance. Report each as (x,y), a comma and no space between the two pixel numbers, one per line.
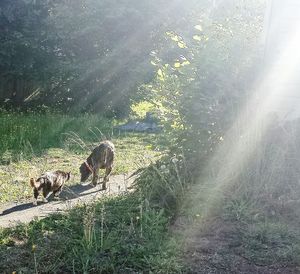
(85,172)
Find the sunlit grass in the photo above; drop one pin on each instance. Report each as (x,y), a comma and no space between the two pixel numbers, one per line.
(118,234)
(25,134)
(251,209)
(65,143)
(110,236)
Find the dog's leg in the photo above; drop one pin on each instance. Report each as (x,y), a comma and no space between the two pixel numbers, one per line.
(58,191)
(107,173)
(35,195)
(46,194)
(95,176)
(106,177)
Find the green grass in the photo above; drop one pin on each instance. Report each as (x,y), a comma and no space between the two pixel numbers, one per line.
(251,219)
(234,232)
(120,235)
(35,143)
(125,234)
(246,213)
(25,134)
(14,177)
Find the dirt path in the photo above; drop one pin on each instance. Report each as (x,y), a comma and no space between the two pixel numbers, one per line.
(13,213)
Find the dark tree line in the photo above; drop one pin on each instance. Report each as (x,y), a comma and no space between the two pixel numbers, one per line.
(79,55)
(91,55)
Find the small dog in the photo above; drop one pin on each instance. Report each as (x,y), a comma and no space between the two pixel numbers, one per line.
(49,182)
(102,157)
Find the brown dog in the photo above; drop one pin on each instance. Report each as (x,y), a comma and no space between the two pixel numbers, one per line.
(102,157)
(49,182)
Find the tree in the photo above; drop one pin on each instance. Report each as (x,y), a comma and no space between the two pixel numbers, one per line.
(203,82)
(82,55)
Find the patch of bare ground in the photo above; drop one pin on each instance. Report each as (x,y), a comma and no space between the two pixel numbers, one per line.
(211,247)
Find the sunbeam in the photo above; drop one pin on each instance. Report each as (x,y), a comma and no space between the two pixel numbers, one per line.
(243,140)
(190,108)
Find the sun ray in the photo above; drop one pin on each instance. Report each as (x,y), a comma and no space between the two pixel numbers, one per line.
(242,141)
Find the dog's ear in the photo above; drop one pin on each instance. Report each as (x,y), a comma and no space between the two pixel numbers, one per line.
(69,175)
(32,182)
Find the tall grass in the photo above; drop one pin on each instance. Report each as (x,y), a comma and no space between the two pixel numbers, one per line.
(109,236)
(23,134)
(249,203)
(125,234)
(164,182)
(33,143)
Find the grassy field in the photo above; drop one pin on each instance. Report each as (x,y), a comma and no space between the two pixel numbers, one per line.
(126,234)
(246,223)
(234,232)
(33,144)
(120,235)
(243,217)
(14,180)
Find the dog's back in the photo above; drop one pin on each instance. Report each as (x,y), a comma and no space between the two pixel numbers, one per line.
(102,157)
(104,154)
(49,182)
(54,179)
(57,178)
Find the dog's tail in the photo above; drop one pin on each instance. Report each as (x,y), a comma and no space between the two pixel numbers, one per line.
(34,184)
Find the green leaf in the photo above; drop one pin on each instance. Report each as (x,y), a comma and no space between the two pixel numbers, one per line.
(198,27)
(160,73)
(153,63)
(181,44)
(197,37)
(175,38)
(185,63)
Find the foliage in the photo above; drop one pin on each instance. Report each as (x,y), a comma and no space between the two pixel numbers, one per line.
(252,211)
(117,235)
(140,109)
(78,57)
(200,89)
(204,56)
(163,183)
(24,134)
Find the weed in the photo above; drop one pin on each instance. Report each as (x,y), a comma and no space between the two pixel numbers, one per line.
(267,243)
(125,234)
(163,183)
(105,237)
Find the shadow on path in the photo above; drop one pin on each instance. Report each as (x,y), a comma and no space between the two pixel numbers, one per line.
(68,193)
